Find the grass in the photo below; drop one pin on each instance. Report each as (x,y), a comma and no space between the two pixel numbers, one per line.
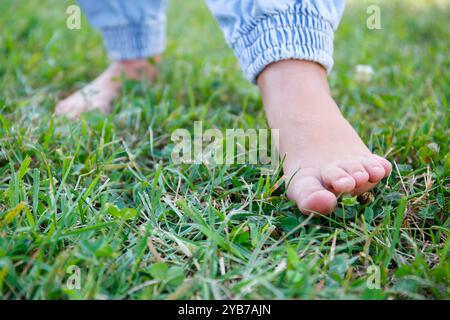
(101,194)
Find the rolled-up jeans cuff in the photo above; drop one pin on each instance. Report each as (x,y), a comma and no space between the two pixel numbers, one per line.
(292,34)
(134,41)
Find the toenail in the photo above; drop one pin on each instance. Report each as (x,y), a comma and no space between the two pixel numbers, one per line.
(344,179)
(359,174)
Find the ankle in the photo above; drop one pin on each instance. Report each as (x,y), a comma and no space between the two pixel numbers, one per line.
(298,88)
(286,83)
(293,75)
(139,69)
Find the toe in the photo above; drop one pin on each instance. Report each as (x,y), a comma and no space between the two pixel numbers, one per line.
(68,106)
(375,170)
(60,108)
(384,163)
(64,108)
(357,171)
(338,179)
(311,196)
(321,202)
(364,188)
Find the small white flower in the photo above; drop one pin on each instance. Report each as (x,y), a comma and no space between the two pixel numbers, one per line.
(363,73)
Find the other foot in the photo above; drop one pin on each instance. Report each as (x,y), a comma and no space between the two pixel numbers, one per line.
(100,93)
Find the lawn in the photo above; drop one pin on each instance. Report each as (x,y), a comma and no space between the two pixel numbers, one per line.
(95,209)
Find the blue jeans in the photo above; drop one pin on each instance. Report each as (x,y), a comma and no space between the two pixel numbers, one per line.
(260,32)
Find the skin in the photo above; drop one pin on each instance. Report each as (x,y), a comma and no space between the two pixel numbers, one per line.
(100,93)
(323,155)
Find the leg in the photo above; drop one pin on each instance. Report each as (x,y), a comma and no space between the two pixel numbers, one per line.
(286,47)
(132,31)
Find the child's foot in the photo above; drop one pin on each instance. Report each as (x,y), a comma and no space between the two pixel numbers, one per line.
(324,156)
(100,93)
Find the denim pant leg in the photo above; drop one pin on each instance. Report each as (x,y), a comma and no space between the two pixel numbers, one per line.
(264,31)
(131,29)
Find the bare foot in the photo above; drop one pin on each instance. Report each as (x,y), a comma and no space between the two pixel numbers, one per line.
(324,156)
(100,93)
